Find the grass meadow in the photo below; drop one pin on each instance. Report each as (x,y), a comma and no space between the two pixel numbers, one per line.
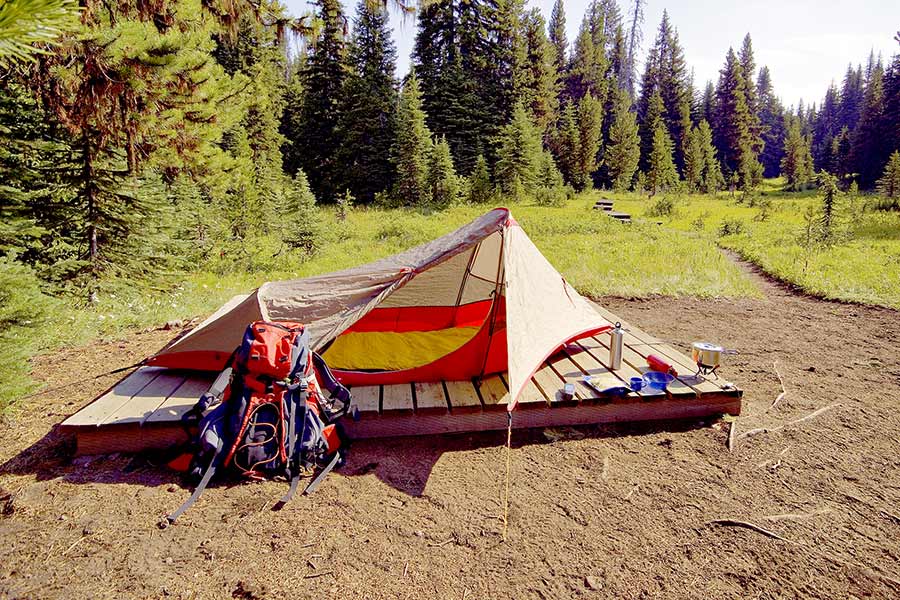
(672,248)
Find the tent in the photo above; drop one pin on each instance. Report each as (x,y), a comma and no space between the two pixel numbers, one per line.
(477,301)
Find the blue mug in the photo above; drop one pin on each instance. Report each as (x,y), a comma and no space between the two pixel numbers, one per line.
(637,383)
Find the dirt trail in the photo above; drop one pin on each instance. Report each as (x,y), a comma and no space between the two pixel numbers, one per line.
(596,512)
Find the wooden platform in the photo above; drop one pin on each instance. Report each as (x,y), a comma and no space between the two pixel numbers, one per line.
(606,205)
(143,410)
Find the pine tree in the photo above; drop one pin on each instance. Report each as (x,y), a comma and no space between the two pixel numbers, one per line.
(558,37)
(412,147)
(589,120)
(298,220)
(26,23)
(852,97)
(748,70)
(733,125)
(443,184)
(519,154)
(540,88)
(829,222)
(706,104)
(661,176)
(840,155)
(666,74)
(693,162)
(587,67)
(889,184)
(565,143)
(481,191)
(652,116)
(771,117)
(624,151)
(255,178)
(797,165)
(120,136)
(825,129)
(325,73)
(868,139)
(367,125)
(711,175)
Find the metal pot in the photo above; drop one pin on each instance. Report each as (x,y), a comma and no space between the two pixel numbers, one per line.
(707,355)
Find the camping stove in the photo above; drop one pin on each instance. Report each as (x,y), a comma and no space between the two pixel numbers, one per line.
(707,357)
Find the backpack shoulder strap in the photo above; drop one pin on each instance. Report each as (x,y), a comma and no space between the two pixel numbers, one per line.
(329,381)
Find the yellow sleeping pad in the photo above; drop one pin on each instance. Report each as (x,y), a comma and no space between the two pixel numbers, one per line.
(393,351)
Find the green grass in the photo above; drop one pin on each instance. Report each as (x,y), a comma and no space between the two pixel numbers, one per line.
(861,265)
(598,255)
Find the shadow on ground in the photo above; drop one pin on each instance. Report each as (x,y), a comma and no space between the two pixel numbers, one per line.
(405,464)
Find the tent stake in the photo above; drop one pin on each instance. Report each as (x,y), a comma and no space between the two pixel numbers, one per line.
(506,493)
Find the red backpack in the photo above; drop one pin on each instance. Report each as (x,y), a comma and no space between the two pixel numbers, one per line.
(272,419)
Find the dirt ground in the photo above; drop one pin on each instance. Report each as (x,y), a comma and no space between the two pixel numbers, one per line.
(596,512)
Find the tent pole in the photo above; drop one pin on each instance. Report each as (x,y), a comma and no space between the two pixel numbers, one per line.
(496,294)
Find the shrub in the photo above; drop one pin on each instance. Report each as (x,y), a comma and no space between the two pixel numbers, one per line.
(662,207)
(731,227)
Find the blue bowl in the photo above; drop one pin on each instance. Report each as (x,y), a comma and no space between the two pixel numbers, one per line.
(658,381)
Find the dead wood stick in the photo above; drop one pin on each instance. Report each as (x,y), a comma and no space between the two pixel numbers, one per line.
(751,526)
(442,544)
(314,575)
(811,415)
(783,393)
(732,431)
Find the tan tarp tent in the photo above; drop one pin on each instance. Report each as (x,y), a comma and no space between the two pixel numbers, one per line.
(482,299)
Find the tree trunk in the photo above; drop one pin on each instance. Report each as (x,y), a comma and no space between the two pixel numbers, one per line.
(90,193)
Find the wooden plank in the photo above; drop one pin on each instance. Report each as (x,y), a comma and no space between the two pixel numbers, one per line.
(430,398)
(397,398)
(530,397)
(182,399)
(367,399)
(551,384)
(146,401)
(462,396)
(130,437)
(494,394)
(569,373)
(120,394)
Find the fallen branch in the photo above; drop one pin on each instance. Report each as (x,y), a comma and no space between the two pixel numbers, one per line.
(732,431)
(751,526)
(811,415)
(783,393)
(314,575)
(442,544)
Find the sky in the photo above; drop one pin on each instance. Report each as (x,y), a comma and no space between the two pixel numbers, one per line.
(805,43)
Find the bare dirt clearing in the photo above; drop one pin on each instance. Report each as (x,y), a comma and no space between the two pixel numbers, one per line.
(605,511)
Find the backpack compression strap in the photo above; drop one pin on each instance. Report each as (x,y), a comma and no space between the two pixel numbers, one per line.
(314,484)
(210,471)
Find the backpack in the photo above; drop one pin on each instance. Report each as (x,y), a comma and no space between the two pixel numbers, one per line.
(264,416)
